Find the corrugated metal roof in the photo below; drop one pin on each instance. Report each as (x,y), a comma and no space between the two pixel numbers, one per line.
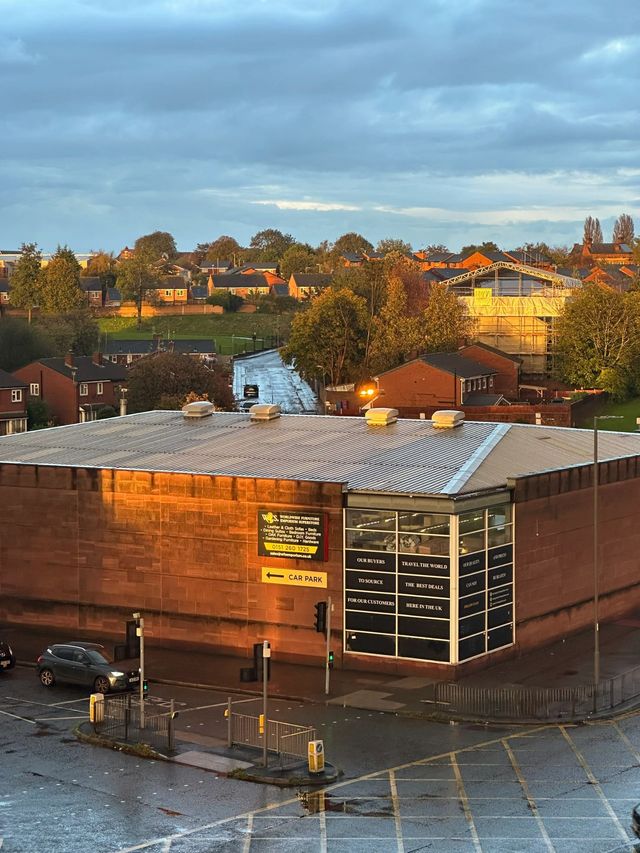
(409,456)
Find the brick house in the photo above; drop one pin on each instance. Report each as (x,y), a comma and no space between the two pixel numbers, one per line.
(506,379)
(13,404)
(305,285)
(126,352)
(74,388)
(588,253)
(444,380)
(172,290)
(93,289)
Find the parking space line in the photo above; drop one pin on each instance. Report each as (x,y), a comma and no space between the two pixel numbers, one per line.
(44,704)
(18,717)
(525,790)
(247,841)
(396,810)
(464,801)
(323,829)
(626,741)
(78,716)
(596,785)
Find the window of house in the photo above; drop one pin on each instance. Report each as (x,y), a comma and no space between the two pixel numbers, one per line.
(179,292)
(468,385)
(491,382)
(99,388)
(34,389)
(84,389)
(484,382)
(129,358)
(168,292)
(16,395)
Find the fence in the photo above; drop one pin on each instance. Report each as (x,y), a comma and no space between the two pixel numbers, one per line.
(121,721)
(537,703)
(286,740)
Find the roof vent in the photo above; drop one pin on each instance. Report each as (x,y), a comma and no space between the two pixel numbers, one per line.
(264,412)
(381,417)
(198,409)
(447,419)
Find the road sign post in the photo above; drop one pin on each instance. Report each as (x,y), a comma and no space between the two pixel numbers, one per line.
(326,657)
(266,654)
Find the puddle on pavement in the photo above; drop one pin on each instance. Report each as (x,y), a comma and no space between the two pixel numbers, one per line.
(314,802)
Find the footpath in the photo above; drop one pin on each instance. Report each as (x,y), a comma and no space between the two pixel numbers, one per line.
(564,664)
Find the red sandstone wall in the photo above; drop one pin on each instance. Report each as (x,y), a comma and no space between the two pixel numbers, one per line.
(83,549)
(554,559)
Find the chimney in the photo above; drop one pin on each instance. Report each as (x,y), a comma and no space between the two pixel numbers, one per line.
(68,359)
(96,358)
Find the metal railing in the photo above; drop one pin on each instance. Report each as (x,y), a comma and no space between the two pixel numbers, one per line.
(286,740)
(537,703)
(121,721)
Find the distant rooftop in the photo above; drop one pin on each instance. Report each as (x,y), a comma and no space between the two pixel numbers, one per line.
(409,456)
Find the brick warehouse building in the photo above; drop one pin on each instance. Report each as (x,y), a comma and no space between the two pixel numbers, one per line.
(441,548)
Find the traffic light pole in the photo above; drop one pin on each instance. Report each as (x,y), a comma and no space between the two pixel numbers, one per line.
(266,654)
(328,649)
(140,632)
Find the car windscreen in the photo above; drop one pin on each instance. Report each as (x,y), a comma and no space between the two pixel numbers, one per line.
(96,657)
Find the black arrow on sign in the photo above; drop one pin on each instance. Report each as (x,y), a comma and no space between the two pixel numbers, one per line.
(272,575)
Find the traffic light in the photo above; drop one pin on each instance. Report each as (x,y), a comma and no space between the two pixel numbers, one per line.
(145,686)
(330,660)
(321,617)
(259,662)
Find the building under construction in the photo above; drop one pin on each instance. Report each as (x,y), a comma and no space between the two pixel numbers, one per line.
(514,308)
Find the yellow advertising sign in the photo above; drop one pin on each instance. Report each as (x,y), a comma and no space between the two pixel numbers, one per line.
(286,577)
(482,295)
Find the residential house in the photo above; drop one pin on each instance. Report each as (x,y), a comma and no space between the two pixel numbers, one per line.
(590,253)
(506,379)
(112,298)
(619,278)
(256,267)
(484,258)
(8,260)
(127,352)
(4,293)
(75,388)
(304,285)
(242,284)
(215,267)
(172,290)
(93,290)
(13,404)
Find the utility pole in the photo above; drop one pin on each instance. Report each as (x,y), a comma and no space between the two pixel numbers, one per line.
(266,654)
(140,633)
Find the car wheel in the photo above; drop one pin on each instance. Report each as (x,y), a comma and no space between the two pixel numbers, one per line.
(47,678)
(101,684)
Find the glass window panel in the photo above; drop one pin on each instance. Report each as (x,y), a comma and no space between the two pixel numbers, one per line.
(499,536)
(371,540)
(472,521)
(472,542)
(499,515)
(416,543)
(424,522)
(371,519)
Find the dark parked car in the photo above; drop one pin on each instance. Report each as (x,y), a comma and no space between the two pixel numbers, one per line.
(7,657)
(88,664)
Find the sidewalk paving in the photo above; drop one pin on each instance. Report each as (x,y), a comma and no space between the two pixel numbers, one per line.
(566,663)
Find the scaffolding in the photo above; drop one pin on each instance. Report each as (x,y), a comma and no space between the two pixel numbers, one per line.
(514,308)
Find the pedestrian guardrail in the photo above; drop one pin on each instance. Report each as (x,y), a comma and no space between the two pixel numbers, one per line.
(537,703)
(121,721)
(286,740)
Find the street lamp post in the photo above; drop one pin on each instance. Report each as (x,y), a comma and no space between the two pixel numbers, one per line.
(596,570)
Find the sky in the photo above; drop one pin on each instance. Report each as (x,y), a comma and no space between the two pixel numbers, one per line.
(434,121)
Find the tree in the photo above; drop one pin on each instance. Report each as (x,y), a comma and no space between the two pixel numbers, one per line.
(487,246)
(229,301)
(38,414)
(396,334)
(137,279)
(165,381)
(446,323)
(21,343)
(298,258)
(27,278)
(270,245)
(352,242)
(75,330)
(592,231)
(60,288)
(391,244)
(598,339)
(327,340)
(436,249)
(623,230)
(103,265)
(223,249)
(156,245)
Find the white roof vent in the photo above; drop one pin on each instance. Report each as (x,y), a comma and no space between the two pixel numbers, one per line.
(447,419)
(264,412)
(198,409)
(381,417)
